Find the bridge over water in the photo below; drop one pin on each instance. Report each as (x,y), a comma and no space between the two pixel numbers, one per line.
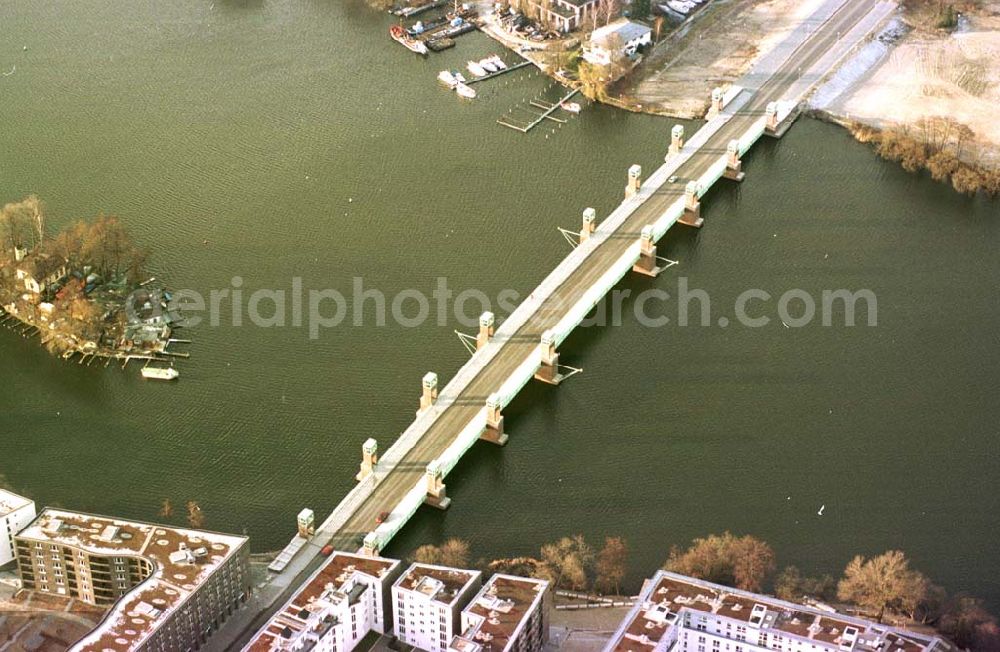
(525,346)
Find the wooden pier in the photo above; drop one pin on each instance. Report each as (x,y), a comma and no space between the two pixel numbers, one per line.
(548,110)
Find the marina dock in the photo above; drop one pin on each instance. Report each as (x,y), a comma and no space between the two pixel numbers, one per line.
(504,71)
(547,111)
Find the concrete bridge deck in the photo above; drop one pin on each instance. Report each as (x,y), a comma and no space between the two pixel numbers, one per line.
(458,418)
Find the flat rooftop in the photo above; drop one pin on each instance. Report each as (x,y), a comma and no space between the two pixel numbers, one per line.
(10,502)
(182,560)
(500,611)
(437,583)
(337,574)
(668,597)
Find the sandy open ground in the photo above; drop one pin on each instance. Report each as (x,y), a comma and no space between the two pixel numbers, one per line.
(716,48)
(928,74)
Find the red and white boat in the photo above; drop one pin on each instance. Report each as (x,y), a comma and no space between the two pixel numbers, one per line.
(399,35)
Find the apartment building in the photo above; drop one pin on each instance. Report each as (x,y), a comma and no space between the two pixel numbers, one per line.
(166,588)
(428,602)
(16,512)
(682,614)
(509,614)
(348,597)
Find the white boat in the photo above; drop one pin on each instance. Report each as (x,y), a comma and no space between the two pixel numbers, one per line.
(498,62)
(679,7)
(476,69)
(488,66)
(399,35)
(459,77)
(447,78)
(160,373)
(572,107)
(465,91)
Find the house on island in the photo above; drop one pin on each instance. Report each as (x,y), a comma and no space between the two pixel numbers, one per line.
(37,272)
(616,41)
(564,15)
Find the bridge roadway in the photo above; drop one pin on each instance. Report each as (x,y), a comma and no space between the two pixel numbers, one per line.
(559,303)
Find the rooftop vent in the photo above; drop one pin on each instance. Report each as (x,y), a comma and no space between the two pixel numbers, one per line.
(110,533)
(53,526)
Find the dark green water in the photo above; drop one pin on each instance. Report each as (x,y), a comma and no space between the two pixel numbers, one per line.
(231,138)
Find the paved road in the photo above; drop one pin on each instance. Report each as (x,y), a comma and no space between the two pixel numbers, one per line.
(524,343)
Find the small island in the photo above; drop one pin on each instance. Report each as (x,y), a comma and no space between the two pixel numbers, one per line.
(81,290)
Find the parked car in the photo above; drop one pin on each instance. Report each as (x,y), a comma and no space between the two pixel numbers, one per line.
(326,551)
(382,518)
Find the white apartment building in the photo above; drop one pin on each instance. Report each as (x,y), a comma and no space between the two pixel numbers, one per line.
(509,614)
(336,608)
(16,513)
(680,614)
(615,41)
(428,602)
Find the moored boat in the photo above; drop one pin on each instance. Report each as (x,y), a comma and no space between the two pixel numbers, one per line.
(465,91)
(399,35)
(447,78)
(679,7)
(476,69)
(498,62)
(572,107)
(160,373)
(488,66)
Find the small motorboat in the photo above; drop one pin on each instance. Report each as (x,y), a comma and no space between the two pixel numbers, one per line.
(498,62)
(680,7)
(399,35)
(447,78)
(572,107)
(476,69)
(160,373)
(488,66)
(459,77)
(465,91)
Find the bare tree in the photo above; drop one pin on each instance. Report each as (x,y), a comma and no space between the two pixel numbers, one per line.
(453,553)
(969,625)
(611,565)
(753,561)
(883,583)
(567,562)
(744,562)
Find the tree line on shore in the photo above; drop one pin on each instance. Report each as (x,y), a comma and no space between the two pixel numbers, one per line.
(942,146)
(881,587)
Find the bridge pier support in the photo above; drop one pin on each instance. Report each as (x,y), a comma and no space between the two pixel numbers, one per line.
(692,207)
(370,546)
(369,458)
(718,97)
(486,321)
(429,396)
(436,496)
(548,369)
(494,422)
(676,141)
(734,166)
(634,181)
(589,224)
(647,263)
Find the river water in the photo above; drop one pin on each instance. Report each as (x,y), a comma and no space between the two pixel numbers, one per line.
(270,140)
